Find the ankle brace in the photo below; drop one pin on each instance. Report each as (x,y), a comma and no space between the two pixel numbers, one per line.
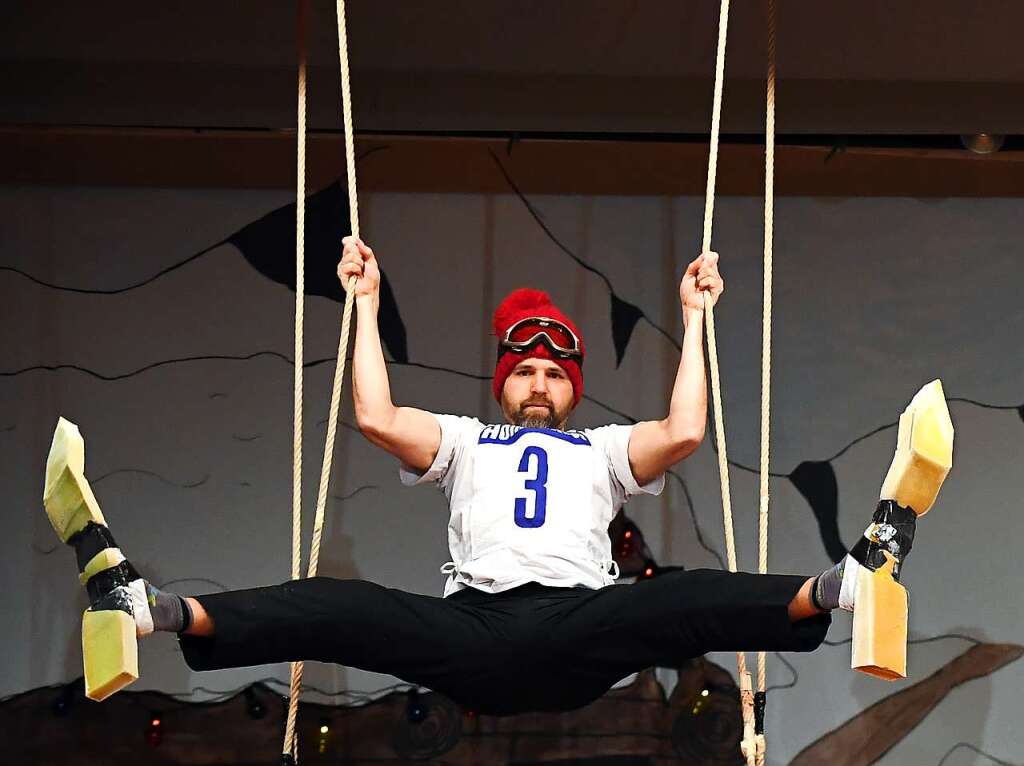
(101,565)
(891,531)
(109,578)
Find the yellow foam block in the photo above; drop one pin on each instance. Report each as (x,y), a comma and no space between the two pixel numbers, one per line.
(110,651)
(923,458)
(67,496)
(924,451)
(880,623)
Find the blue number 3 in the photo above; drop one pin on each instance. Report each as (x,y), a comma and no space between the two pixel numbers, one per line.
(537,484)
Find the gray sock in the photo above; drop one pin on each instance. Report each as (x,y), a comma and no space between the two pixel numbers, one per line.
(170,611)
(825,592)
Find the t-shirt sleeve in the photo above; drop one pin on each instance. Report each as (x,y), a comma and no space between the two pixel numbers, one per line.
(456,432)
(614,440)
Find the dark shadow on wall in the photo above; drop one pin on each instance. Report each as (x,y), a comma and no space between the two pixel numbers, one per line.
(264,241)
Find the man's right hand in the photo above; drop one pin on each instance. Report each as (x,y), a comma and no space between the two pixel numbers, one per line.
(359,261)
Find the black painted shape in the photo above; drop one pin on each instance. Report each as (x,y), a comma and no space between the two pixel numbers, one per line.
(1020,411)
(624,318)
(816,481)
(268,244)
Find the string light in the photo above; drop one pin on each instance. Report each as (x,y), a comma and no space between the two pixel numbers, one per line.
(629,549)
(154,731)
(700,702)
(415,708)
(626,546)
(253,706)
(66,697)
(325,731)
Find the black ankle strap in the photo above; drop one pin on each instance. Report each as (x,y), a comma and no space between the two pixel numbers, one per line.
(100,584)
(894,534)
(90,541)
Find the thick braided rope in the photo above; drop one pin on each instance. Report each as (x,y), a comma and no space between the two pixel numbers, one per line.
(709,210)
(766,326)
(716,111)
(346,319)
(291,743)
(746,694)
(300,289)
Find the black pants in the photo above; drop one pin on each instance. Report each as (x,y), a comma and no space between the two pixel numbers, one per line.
(528,649)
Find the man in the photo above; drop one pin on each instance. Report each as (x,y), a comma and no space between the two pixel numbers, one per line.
(527,622)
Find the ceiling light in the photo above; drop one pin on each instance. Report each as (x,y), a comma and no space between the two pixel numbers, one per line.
(982,143)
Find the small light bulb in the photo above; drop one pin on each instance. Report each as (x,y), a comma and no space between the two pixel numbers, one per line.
(704,693)
(324,729)
(982,143)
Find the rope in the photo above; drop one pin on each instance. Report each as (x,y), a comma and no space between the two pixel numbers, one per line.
(749,745)
(300,291)
(709,210)
(716,110)
(346,319)
(766,328)
(291,742)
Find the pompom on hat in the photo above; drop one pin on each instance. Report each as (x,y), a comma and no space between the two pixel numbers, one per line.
(525,303)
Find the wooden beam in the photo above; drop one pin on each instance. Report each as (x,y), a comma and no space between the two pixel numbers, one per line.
(265,159)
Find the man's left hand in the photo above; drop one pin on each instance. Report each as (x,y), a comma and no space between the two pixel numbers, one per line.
(701,277)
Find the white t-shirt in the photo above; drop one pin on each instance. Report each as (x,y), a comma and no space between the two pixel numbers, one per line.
(530,504)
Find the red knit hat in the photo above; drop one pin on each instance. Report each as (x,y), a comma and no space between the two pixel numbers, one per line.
(522,304)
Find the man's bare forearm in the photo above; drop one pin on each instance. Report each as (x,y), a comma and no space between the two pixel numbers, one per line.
(371,390)
(687,414)
(657,445)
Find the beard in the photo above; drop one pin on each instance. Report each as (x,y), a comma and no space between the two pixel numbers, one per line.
(531,418)
(536,421)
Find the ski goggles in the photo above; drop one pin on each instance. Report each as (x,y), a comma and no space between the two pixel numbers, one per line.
(556,336)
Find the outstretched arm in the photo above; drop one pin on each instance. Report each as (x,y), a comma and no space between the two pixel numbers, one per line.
(411,435)
(657,445)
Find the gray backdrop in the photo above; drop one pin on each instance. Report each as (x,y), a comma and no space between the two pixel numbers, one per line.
(191,460)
